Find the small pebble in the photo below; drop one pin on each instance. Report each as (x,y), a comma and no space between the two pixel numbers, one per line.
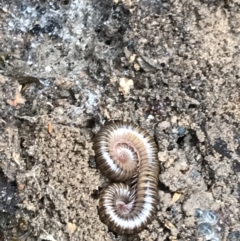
(206,230)
(92,162)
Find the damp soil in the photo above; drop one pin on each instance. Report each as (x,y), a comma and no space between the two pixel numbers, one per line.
(69,67)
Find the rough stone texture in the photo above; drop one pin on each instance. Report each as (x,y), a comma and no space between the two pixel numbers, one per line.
(67,67)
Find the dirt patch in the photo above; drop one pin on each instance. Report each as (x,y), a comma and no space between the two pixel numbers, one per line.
(67,68)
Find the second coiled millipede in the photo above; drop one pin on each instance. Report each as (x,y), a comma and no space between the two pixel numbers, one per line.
(127,155)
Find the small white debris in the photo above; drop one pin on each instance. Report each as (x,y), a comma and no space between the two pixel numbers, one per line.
(48,69)
(125,85)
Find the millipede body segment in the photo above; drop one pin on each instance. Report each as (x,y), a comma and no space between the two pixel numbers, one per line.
(127,155)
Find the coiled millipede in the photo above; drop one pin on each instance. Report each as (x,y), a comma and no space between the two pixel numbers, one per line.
(127,155)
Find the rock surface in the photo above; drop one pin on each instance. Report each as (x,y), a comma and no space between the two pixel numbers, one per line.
(67,67)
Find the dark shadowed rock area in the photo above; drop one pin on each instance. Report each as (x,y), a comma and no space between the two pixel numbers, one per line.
(67,67)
